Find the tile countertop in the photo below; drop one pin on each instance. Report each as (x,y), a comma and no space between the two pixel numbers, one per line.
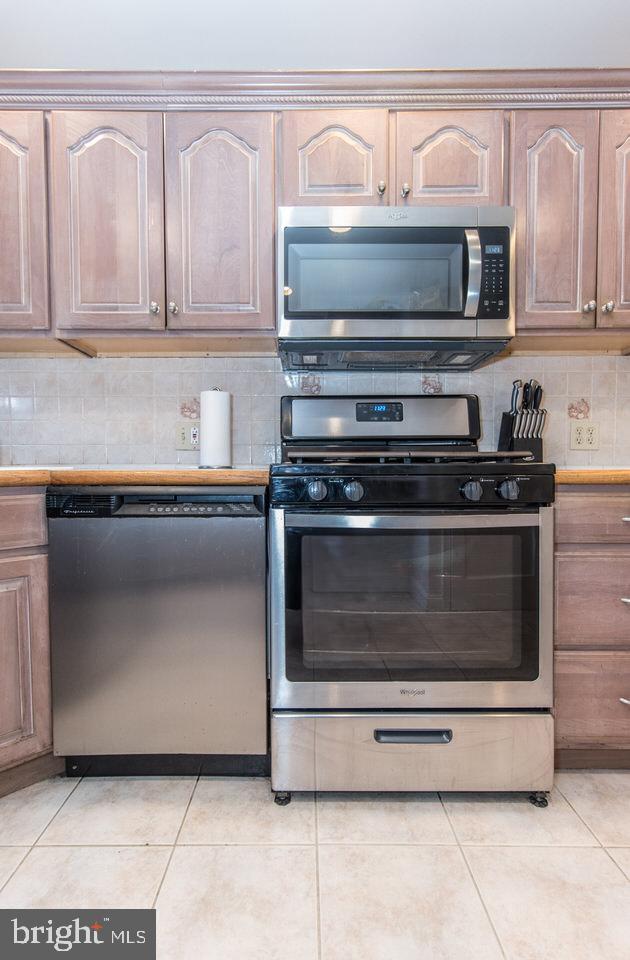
(131,475)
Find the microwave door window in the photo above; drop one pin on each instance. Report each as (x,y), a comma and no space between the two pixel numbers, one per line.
(381,279)
(421,605)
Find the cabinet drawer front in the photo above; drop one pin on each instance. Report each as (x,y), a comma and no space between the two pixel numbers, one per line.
(588,708)
(22,521)
(593,518)
(590,593)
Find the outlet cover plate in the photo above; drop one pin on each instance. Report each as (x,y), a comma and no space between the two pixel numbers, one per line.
(584,435)
(187,435)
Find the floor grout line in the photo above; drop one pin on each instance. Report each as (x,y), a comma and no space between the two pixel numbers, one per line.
(317,880)
(580,818)
(472,877)
(174,844)
(41,833)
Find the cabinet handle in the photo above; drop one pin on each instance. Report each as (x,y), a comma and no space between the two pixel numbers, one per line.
(154,307)
(608,307)
(381,187)
(172,306)
(590,307)
(405,190)
(623,700)
(626,519)
(625,599)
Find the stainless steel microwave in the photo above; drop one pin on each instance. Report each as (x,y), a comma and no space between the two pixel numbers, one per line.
(394,288)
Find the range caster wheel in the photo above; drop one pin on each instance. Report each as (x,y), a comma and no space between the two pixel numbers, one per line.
(282,797)
(539,799)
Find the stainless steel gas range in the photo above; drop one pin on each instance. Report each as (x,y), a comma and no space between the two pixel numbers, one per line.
(411,601)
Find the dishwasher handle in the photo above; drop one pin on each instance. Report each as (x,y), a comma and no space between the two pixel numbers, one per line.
(413,736)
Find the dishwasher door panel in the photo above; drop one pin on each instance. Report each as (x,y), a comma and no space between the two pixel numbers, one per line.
(158,635)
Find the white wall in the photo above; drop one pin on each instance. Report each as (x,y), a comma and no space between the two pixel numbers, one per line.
(313,34)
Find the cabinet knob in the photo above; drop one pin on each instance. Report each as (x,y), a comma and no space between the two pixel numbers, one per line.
(624,700)
(405,190)
(381,187)
(154,307)
(172,306)
(590,307)
(608,307)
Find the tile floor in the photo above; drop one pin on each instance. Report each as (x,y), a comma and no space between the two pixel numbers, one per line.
(376,877)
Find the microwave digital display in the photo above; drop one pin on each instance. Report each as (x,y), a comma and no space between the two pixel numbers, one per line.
(496,248)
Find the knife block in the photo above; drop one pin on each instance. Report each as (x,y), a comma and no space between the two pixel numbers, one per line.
(508,442)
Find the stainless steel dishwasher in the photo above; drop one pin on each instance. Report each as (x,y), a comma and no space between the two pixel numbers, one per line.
(158,627)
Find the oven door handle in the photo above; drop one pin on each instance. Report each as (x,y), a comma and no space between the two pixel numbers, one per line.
(361,521)
(473,247)
(413,736)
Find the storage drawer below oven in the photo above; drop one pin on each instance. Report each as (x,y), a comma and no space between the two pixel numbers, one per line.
(411,751)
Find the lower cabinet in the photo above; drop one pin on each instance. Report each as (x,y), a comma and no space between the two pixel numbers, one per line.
(592,626)
(25,699)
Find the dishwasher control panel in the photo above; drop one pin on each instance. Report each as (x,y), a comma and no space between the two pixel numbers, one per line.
(155,503)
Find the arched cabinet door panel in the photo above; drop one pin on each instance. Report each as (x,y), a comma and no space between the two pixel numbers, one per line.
(219,220)
(450,157)
(23,222)
(613,271)
(554,190)
(107,220)
(335,157)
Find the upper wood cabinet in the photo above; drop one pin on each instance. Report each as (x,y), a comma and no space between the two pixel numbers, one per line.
(107,220)
(334,156)
(554,190)
(219,220)
(613,269)
(449,157)
(23,223)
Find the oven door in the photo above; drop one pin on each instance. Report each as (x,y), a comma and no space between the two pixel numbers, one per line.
(380,281)
(411,610)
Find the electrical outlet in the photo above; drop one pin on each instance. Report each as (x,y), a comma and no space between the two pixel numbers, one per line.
(584,435)
(187,435)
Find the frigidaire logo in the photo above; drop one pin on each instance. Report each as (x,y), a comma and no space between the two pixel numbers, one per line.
(47,933)
(412,692)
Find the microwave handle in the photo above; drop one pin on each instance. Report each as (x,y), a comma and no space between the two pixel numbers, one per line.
(473,246)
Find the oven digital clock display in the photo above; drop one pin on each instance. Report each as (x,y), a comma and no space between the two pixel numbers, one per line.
(379,412)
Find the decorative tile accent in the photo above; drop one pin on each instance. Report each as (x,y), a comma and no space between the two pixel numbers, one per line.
(431,383)
(190,408)
(311,384)
(579,409)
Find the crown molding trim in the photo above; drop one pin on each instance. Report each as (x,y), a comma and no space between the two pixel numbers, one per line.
(403,89)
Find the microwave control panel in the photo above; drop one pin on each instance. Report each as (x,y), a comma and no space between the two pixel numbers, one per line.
(494,296)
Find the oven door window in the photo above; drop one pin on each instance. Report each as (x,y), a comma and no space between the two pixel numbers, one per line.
(369,272)
(412,605)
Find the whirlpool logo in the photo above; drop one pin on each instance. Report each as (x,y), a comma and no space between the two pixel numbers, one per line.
(412,692)
(47,933)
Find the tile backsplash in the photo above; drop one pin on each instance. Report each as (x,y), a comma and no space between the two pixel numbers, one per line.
(98,411)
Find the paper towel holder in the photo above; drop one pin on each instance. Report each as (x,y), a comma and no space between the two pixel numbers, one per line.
(205,466)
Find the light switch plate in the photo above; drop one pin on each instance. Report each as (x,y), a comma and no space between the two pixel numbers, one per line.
(187,435)
(584,435)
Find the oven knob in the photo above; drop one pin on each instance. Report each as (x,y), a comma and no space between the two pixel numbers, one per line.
(317,490)
(353,491)
(509,490)
(472,490)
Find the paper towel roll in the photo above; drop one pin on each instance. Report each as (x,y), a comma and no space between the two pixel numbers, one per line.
(215,429)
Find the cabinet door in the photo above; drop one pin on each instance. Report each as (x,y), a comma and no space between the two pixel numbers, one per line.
(589,690)
(454,157)
(613,270)
(219,220)
(23,223)
(334,156)
(107,220)
(25,721)
(592,602)
(554,190)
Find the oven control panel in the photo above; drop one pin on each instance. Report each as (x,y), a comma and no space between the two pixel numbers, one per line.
(337,489)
